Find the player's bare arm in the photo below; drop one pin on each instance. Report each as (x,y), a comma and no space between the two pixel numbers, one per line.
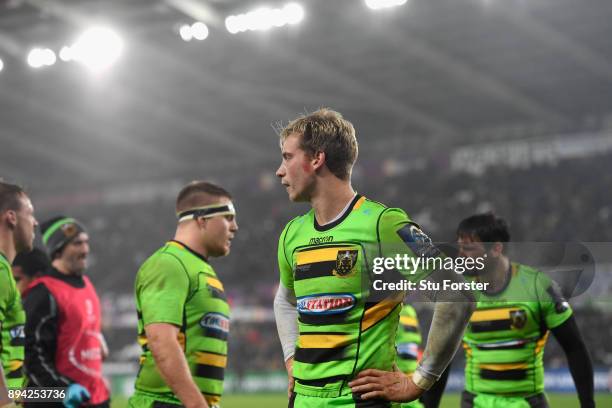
(170,360)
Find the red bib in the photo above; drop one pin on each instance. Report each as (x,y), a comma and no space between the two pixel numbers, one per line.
(79,339)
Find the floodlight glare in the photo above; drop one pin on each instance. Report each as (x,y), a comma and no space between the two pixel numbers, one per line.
(231,23)
(294,13)
(38,57)
(48,57)
(1,65)
(382,4)
(65,54)
(199,31)
(185,32)
(265,18)
(34,58)
(97,48)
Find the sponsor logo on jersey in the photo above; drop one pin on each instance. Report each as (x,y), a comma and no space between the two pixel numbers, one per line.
(519,318)
(215,321)
(345,262)
(330,303)
(17,332)
(408,350)
(321,240)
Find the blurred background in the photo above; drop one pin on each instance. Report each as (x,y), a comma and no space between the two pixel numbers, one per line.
(108,107)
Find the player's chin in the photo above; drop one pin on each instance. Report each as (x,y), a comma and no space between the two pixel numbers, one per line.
(225,250)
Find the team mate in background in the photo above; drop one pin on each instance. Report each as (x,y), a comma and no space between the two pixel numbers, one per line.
(330,326)
(28,266)
(64,343)
(17,224)
(183,314)
(408,345)
(504,341)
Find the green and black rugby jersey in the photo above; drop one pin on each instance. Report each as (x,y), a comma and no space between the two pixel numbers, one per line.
(343,326)
(408,340)
(504,341)
(12,321)
(177,285)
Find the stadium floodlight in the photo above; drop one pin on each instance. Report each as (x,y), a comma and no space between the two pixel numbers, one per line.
(263,19)
(41,57)
(185,32)
(97,48)
(199,31)
(382,4)
(294,13)
(65,54)
(1,65)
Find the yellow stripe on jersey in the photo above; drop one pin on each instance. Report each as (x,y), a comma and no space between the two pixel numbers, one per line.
(212,399)
(358,203)
(468,350)
(379,311)
(176,244)
(211,359)
(541,342)
(215,283)
(323,340)
(504,366)
(320,255)
(142,340)
(408,321)
(492,314)
(15,365)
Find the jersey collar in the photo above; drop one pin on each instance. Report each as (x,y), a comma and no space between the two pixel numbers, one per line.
(346,213)
(202,257)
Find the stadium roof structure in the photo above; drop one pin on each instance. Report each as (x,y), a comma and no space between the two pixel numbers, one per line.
(415,78)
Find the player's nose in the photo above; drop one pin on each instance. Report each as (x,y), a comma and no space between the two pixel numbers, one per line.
(280,172)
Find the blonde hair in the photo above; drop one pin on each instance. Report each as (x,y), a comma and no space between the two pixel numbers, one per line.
(326,131)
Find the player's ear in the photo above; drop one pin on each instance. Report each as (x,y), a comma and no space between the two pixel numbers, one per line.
(10,217)
(201,222)
(497,249)
(318,160)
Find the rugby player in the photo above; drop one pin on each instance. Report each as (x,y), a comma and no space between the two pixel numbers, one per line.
(183,314)
(408,344)
(331,326)
(504,341)
(17,224)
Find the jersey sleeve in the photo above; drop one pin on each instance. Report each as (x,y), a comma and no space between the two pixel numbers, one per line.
(7,291)
(284,265)
(555,309)
(163,286)
(398,235)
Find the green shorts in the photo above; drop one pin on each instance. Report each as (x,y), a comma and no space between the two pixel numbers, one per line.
(145,401)
(412,404)
(471,400)
(343,401)
(139,400)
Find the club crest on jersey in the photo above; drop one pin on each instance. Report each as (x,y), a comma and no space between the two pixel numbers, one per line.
(325,304)
(518,318)
(345,262)
(216,322)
